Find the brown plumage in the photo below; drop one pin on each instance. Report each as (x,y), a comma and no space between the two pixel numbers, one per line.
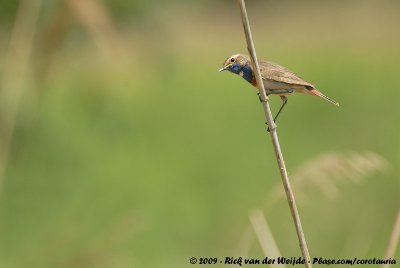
(274,72)
(277,79)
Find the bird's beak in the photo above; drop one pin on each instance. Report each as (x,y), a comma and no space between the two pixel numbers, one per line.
(224,68)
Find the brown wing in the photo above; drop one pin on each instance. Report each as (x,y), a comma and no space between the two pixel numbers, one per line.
(273,71)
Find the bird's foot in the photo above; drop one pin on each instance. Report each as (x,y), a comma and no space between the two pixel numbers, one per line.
(268,130)
(259,97)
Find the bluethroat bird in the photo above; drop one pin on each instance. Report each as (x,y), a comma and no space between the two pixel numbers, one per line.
(277,79)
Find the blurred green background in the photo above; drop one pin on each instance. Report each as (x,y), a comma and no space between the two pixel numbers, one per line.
(122,146)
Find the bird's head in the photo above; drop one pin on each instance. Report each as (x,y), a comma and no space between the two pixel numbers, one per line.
(235,63)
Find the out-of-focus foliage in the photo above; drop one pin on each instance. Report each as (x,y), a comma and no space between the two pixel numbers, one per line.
(131,150)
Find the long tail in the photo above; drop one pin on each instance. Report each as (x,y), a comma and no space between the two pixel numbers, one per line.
(319,94)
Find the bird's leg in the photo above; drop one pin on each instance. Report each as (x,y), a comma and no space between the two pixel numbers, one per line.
(259,96)
(284,99)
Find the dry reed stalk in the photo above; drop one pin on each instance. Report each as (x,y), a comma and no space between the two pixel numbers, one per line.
(274,137)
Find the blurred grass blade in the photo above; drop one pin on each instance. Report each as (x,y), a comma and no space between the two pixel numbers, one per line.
(94,16)
(264,236)
(393,240)
(246,241)
(15,71)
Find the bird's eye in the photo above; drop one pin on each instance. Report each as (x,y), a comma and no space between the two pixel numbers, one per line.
(232,60)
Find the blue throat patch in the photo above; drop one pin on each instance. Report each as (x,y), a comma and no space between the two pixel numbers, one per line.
(246,69)
(235,68)
(247,73)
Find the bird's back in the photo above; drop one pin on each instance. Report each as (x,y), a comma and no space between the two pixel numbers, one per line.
(278,73)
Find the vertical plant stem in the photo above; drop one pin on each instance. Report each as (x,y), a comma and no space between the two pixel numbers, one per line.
(393,241)
(16,66)
(274,136)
